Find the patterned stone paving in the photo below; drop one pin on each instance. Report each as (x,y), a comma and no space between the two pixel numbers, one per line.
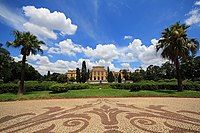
(101,115)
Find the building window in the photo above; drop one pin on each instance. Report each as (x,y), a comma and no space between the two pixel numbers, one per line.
(94,72)
(101,78)
(71,75)
(98,78)
(94,78)
(98,73)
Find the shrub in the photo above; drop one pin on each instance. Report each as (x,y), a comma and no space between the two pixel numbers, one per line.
(155,86)
(38,86)
(58,88)
(9,88)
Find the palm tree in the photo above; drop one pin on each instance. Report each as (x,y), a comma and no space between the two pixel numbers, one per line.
(3,51)
(177,46)
(28,44)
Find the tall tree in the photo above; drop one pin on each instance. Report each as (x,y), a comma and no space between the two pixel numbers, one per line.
(111,77)
(176,46)
(88,74)
(28,44)
(78,75)
(83,72)
(119,79)
(108,74)
(168,70)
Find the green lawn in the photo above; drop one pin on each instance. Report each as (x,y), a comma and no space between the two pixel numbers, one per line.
(98,93)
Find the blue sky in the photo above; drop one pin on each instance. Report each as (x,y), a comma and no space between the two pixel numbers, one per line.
(121,34)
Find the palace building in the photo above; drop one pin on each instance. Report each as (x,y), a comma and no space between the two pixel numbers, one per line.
(98,73)
(71,74)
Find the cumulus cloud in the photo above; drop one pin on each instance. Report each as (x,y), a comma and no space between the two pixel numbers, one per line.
(106,52)
(39,31)
(146,55)
(194,15)
(48,22)
(39,21)
(128,37)
(43,64)
(66,47)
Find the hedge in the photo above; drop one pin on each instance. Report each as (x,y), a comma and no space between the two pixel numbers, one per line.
(154,86)
(29,86)
(8,88)
(58,88)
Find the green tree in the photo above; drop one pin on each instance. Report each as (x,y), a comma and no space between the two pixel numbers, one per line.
(54,76)
(72,79)
(136,76)
(119,79)
(168,70)
(48,73)
(111,77)
(5,64)
(28,44)
(88,74)
(62,78)
(176,46)
(83,72)
(197,67)
(108,74)
(153,73)
(78,75)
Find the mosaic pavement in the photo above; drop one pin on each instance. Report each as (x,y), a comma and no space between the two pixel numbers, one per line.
(101,115)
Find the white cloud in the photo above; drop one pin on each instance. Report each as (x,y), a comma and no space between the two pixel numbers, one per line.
(126,65)
(19,58)
(39,31)
(128,37)
(197,3)
(194,15)
(43,64)
(146,55)
(66,47)
(39,21)
(136,47)
(106,52)
(44,47)
(48,21)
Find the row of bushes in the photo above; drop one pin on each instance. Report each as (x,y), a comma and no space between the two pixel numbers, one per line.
(58,88)
(29,86)
(54,87)
(158,86)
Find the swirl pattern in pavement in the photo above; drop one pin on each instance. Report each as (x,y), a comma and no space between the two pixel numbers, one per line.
(103,115)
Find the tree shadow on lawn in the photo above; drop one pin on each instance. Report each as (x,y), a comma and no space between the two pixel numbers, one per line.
(166,91)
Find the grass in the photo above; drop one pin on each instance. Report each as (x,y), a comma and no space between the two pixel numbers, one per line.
(98,93)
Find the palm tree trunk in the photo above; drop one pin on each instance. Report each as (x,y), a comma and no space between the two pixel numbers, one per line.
(178,74)
(21,87)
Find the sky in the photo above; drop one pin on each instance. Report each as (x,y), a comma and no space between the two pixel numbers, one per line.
(119,34)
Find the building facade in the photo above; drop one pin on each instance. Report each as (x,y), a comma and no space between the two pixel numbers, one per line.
(98,73)
(71,74)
